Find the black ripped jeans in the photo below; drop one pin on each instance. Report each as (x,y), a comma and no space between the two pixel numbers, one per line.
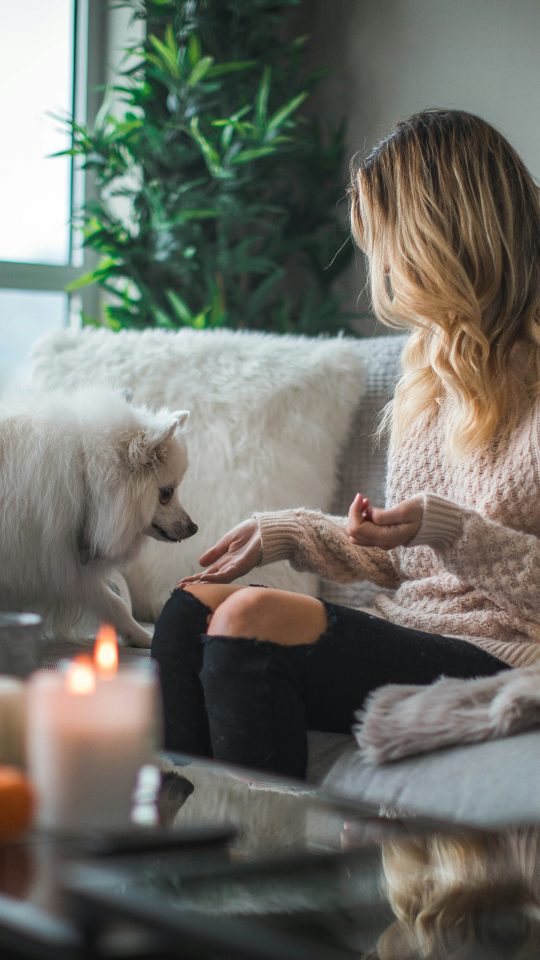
(249,702)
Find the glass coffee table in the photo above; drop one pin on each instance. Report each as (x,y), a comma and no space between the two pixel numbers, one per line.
(229,863)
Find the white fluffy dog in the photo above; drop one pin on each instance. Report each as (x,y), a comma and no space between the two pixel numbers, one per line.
(84,477)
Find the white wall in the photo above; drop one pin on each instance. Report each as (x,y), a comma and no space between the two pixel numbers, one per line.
(391,58)
(122,32)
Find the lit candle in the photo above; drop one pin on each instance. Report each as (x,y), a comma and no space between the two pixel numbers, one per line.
(106,651)
(90,728)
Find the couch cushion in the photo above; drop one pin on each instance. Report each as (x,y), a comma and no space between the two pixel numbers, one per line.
(270,416)
(481,784)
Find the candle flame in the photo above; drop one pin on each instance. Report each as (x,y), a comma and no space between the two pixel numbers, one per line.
(81,677)
(106,651)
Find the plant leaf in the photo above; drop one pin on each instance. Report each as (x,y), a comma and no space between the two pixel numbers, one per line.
(199,322)
(261,100)
(211,155)
(180,307)
(162,319)
(200,70)
(279,118)
(234,66)
(80,282)
(194,49)
(167,57)
(255,154)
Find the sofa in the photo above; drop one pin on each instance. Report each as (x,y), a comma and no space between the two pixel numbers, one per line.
(279,422)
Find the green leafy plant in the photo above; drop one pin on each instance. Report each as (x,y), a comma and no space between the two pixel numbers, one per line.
(216,193)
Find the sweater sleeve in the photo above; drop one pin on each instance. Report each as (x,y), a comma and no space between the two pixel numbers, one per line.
(501,562)
(316,542)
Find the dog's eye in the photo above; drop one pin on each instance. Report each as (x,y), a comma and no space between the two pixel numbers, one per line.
(165,494)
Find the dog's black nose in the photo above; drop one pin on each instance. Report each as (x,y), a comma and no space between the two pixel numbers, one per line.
(191,529)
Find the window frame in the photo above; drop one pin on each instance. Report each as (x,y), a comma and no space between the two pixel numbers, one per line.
(89,53)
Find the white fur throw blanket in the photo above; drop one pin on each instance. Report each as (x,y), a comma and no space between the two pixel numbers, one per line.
(398,721)
(270,416)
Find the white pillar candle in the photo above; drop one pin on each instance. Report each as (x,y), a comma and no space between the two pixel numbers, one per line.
(88,734)
(12,696)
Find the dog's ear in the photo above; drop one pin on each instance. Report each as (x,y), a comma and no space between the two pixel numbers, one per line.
(148,447)
(181,417)
(142,449)
(177,423)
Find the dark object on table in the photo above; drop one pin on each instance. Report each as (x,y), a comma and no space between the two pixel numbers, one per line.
(137,840)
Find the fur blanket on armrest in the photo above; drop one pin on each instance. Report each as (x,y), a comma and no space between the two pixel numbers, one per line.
(398,721)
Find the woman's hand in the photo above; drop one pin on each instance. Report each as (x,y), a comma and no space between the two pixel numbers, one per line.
(370,527)
(231,557)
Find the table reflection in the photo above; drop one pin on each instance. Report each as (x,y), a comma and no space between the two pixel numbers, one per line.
(373,885)
(464,896)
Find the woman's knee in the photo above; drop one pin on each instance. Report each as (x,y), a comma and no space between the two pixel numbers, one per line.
(239,612)
(186,614)
(274,616)
(211,594)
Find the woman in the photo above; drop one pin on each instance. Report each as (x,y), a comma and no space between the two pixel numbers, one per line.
(449,219)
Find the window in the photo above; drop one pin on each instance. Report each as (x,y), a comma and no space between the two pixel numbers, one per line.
(51,60)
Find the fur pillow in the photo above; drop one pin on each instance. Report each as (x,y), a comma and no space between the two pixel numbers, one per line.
(403,720)
(269,415)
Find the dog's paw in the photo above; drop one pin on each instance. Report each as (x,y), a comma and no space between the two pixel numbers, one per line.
(138,637)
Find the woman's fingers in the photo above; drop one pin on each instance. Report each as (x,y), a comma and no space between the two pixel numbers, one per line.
(224,570)
(223,576)
(216,551)
(359,512)
(388,528)
(231,557)
(225,573)
(193,578)
(358,505)
(231,542)
(203,575)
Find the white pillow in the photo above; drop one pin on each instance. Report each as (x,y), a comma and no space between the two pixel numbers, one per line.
(269,415)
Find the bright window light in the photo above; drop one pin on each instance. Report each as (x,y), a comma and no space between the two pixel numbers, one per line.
(36,78)
(24,316)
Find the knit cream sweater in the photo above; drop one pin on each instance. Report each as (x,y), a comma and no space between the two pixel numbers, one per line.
(473,569)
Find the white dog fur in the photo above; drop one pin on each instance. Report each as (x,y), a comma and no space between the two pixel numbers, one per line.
(85,477)
(269,417)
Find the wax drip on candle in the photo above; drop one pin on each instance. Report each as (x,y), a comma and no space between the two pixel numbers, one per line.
(106,651)
(81,677)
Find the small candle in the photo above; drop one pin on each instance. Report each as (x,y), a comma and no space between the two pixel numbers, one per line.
(90,729)
(12,695)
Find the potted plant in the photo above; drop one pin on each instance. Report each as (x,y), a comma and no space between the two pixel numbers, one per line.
(216,192)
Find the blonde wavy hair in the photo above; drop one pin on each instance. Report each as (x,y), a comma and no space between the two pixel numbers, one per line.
(449,218)
(463,897)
